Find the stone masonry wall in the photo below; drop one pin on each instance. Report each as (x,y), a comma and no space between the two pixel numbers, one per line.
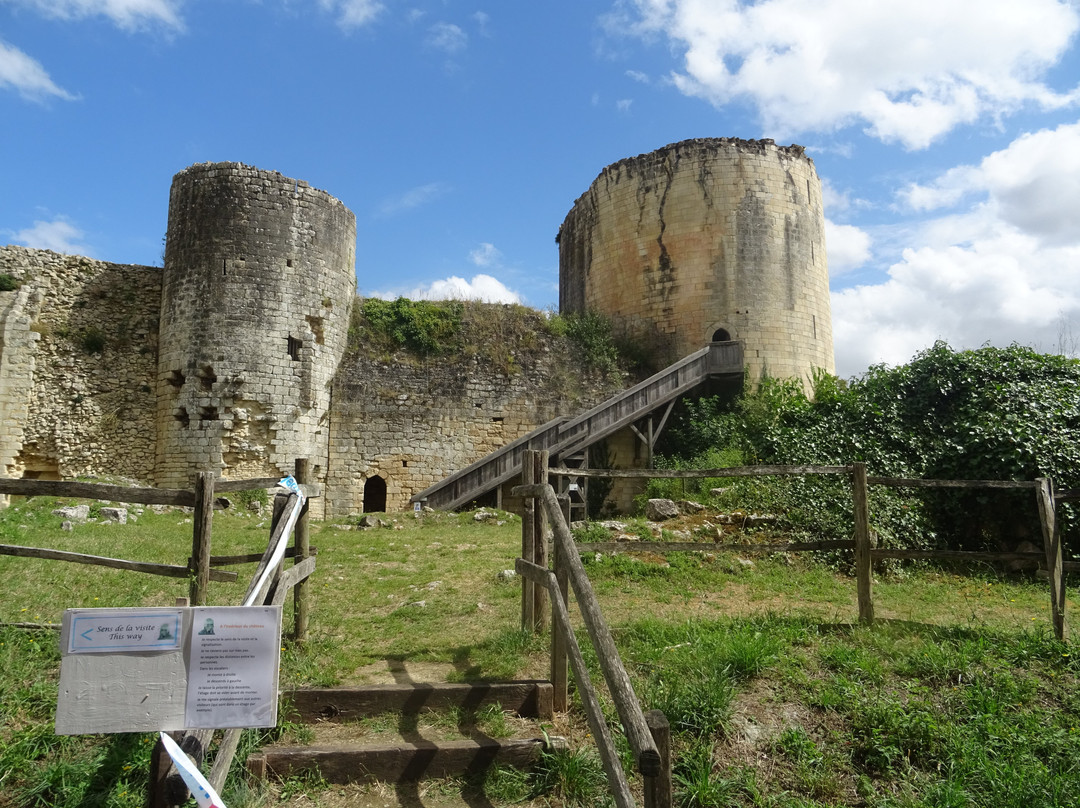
(77,365)
(706,235)
(413,425)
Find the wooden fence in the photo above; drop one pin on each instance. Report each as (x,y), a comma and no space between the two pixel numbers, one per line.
(648,735)
(202,567)
(270,584)
(862,541)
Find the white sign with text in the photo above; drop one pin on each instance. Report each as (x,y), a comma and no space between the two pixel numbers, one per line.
(144,670)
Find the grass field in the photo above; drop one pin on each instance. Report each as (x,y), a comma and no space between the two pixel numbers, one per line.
(956,696)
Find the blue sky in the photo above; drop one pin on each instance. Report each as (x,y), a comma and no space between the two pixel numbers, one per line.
(946,133)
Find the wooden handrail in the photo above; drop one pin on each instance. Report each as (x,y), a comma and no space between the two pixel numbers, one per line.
(618,682)
(609,758)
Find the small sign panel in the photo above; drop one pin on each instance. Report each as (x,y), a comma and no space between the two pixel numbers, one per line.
(233,668)
(112,631)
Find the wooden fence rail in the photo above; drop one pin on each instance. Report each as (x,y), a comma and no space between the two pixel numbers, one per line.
(201,499)
(862,544)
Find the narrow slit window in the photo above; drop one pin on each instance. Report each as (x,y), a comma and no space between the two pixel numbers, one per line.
(294,349)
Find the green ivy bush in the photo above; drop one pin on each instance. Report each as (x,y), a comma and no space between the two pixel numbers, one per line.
(423,327)
(986,414)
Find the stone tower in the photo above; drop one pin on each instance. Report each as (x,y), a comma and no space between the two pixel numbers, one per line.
(258,279)
(706,240)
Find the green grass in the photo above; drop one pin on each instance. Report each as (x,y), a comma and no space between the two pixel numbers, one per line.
(956,696)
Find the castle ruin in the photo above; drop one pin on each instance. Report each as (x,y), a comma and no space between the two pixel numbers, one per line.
(232,358)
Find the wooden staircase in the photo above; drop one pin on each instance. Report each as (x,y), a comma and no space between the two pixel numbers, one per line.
(564,437)
(412,758)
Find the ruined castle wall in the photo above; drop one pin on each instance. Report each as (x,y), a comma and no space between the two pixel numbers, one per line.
(702,236)
(77,365)
(413,425)
(259,277)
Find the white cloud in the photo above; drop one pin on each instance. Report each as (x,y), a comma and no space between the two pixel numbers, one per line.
(846,246)
(1032,185)
(446,36)
(1000,291)
(58,235)
(127,14)
(353,13)
(481,287)
(624,104)
(1005,269)
(638,76)
(413,198)
(908,70)
(486,255)
(26,76)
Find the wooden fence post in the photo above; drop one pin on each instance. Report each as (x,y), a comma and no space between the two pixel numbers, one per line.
(200,540)
(658,788)
(540,542)
(302,545)
(863,569)
(560,676)
(1044,493)
(528,541)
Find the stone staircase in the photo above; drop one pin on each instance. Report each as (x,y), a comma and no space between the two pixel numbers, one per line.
(350,747)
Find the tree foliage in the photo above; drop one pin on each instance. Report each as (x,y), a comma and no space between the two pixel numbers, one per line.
(987,414)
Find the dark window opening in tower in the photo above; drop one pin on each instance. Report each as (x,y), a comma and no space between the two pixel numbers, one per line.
(176,379)
(182,416)
(294,348)
(375,495)
(208,413)
(721,335)
(207,377)
(224,267)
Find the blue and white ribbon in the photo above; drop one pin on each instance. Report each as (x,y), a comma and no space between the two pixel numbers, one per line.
(199,786)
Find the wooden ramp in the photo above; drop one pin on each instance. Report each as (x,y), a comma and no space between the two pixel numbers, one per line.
(407,759)
(564,437)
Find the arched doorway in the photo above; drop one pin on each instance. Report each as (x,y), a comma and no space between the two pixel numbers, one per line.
(721,335)
(375,495)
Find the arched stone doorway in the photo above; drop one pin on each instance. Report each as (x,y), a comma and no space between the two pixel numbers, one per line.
(375,495)
(721,335)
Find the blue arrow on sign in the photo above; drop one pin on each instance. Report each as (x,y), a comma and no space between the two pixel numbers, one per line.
(86,634)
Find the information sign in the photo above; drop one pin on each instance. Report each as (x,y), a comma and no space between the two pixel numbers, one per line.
(144,670)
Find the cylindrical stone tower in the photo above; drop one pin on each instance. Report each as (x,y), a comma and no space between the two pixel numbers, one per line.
(706,240)
(258,280)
